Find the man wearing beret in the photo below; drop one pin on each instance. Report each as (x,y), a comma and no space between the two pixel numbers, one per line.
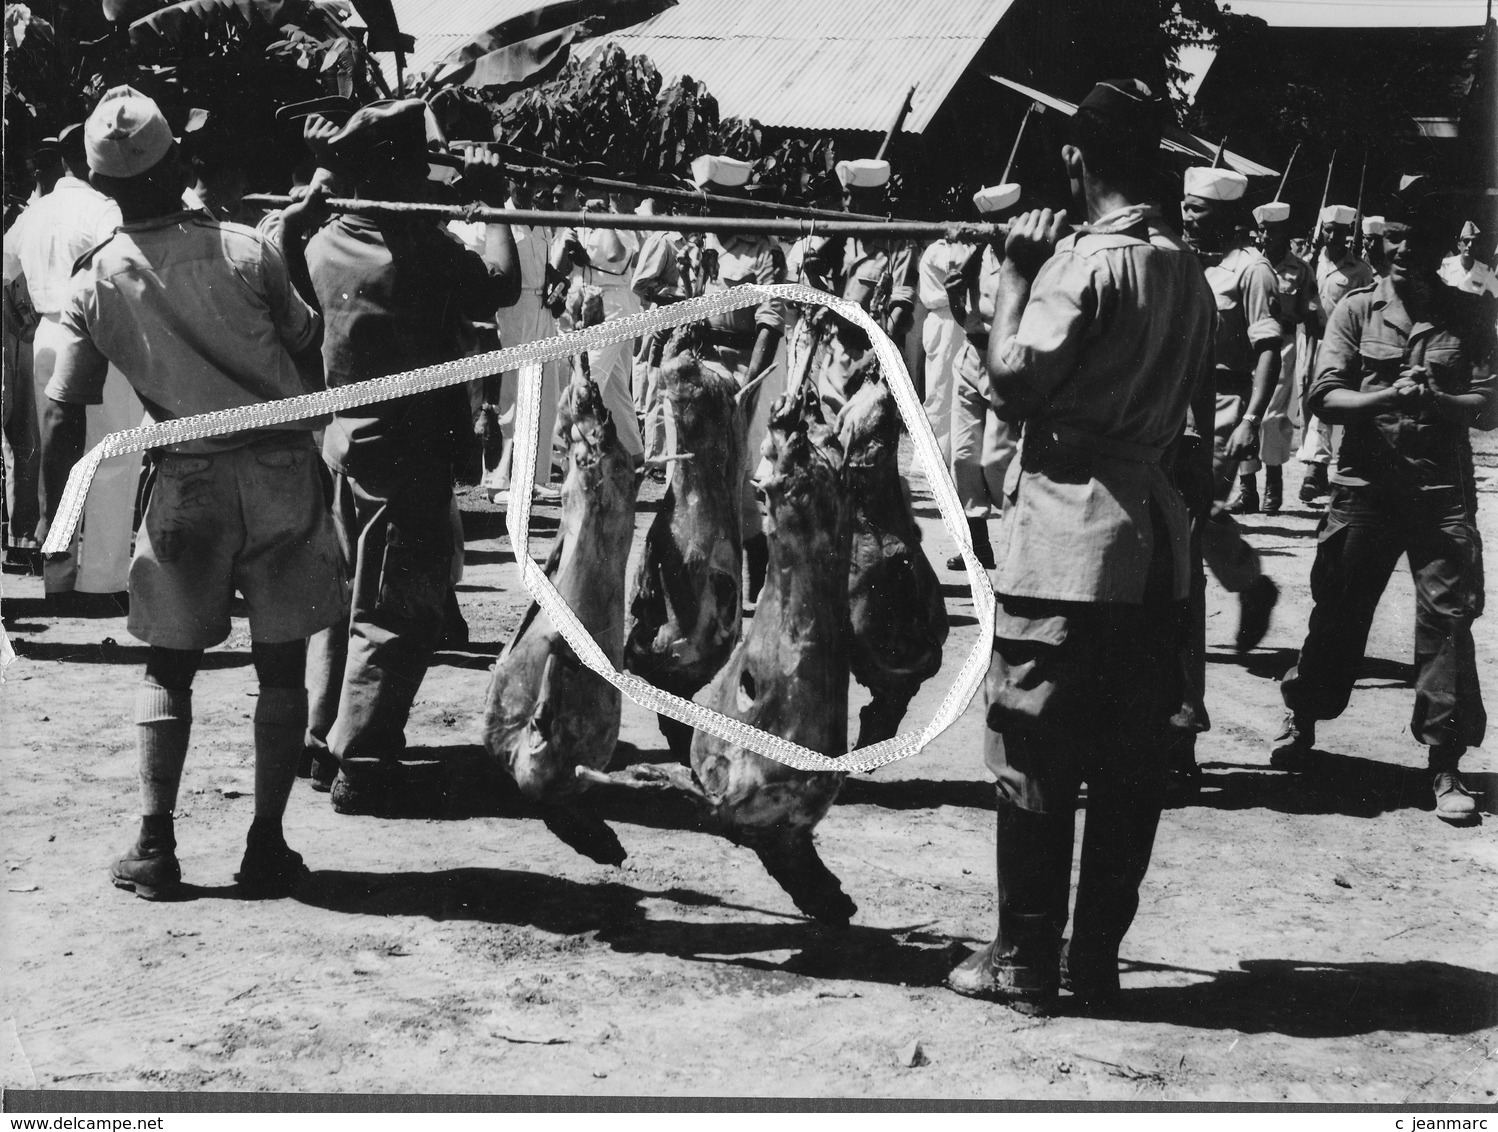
(396,293)
(1338,271)
(1099,342)
(1406,368)
(201,316)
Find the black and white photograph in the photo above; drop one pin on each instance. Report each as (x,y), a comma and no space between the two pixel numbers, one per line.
(754,553)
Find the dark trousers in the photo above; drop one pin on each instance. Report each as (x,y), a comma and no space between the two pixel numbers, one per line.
(397,546)
(1078,693)
(1361,539)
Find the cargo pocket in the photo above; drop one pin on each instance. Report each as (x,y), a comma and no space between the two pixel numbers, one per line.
(1029,668)
(414,574)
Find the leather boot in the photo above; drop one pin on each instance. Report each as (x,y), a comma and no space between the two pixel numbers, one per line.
(150,868)
(1117,840)
(977,530)
(757,555)
(1021,967)
(1247,502)
(1274,489)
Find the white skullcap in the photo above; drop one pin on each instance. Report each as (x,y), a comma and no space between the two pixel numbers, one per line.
(1373,225)
(1470,231)
(126,134)
(1215,184)
(996,198)
(1339,214)
(725,172)
(865,173)
(1275,212)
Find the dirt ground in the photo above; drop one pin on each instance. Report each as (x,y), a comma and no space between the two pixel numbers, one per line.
(1323,938)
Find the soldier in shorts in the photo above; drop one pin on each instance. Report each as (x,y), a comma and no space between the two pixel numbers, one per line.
(200,315)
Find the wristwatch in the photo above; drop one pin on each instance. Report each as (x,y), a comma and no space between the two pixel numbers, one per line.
(1251,418)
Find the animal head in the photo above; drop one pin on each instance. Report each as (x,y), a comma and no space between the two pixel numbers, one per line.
(869,428)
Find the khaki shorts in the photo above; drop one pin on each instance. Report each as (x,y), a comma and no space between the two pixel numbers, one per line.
(251,519)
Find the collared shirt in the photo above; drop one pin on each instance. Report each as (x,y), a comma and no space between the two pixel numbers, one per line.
(1247,294)
(197,315)
(872,273)
(396,295)
(1480,280)
(937,262)
(1369,340)
(1335,279)
(658,268)
(1296,292)
(734,261)
(1117,330)
(52,234)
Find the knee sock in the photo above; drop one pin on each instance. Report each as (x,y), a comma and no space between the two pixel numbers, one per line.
(163,724)
(280,723)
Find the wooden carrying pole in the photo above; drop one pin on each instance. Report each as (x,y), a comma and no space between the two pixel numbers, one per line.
(633,222)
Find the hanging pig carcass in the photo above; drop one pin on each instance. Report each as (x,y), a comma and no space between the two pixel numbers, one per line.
(897,618)
(789,674)
(547,713)
(687,605)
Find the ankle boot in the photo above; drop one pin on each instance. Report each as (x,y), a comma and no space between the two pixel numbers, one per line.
(1117,840)
(1021,967)
(150,868)
(1274,489)
(977,530)
(1247,502)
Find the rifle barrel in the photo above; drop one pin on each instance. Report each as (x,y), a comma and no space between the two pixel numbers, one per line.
(962,231)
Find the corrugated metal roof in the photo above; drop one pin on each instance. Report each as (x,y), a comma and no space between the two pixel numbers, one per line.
(806,64)
(441,25)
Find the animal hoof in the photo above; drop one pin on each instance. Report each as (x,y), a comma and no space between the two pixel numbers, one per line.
(586,832)
(810,884)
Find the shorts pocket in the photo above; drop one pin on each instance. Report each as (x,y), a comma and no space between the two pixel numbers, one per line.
(283,457)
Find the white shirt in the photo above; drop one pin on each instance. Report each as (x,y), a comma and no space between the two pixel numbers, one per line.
(52,234)
(1480,280)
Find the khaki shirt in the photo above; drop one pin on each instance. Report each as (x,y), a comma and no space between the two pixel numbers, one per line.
(1369,340)
(198,315)
(740,260)
(1247,294)
(1336,279)
(1117,331)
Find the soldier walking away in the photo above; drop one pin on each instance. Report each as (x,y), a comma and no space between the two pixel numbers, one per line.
(1406,369)
(396,294)
(1097,348)
(200,316)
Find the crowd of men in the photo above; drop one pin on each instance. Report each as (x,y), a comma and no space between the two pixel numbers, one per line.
(1105,394)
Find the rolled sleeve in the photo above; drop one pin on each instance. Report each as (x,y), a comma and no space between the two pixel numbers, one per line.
(1260,304)
(1063,303)
(1337,360)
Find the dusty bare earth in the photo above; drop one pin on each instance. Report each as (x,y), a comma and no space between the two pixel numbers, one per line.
(1318,939)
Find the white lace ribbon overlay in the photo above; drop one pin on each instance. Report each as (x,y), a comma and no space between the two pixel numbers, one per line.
(528,359)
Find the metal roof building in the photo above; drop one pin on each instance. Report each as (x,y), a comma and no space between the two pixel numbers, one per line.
(799,64)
